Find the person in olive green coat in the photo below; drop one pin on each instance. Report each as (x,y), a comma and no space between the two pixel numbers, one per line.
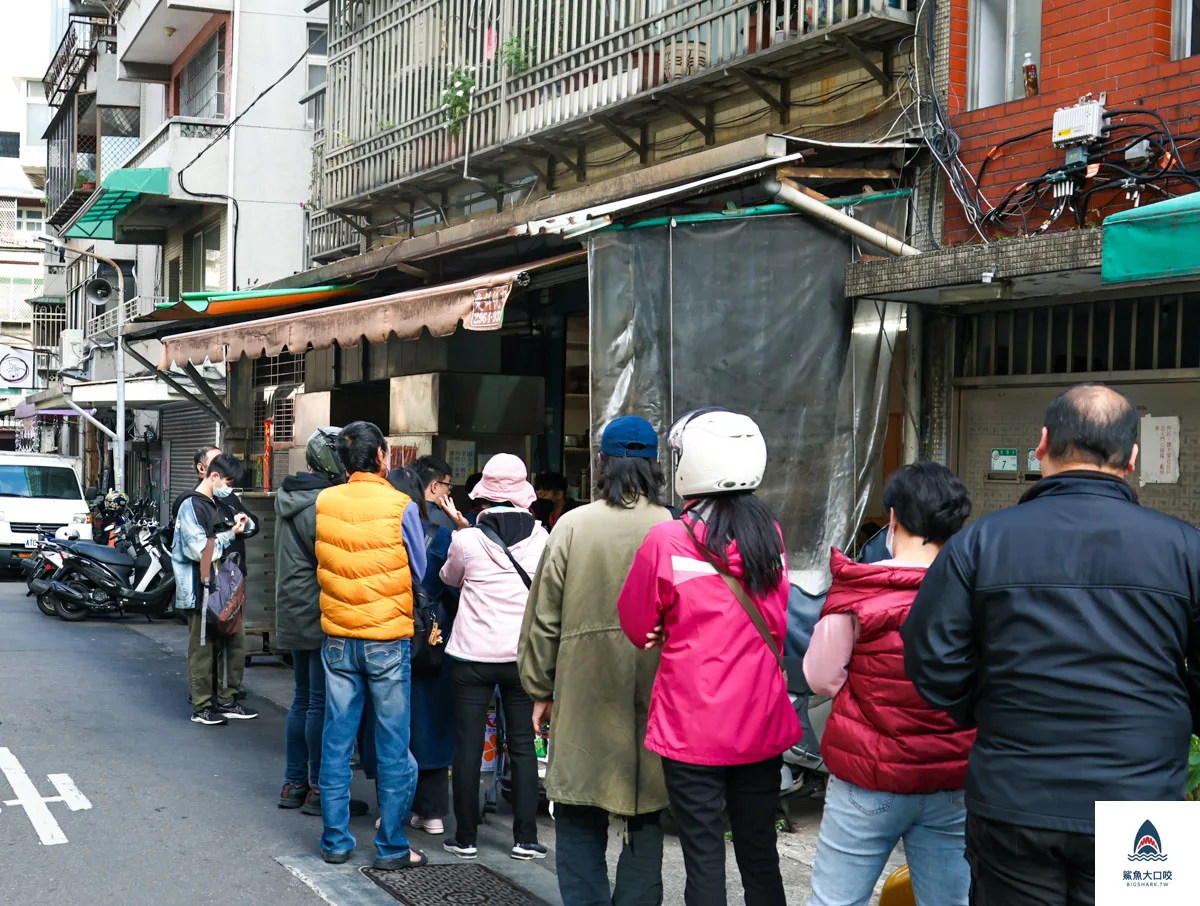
(576,663)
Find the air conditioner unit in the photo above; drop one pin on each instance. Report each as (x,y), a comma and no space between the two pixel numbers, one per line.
(71,350)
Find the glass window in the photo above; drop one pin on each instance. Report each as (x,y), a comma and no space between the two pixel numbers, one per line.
(318,40)
(37,118)
(57,482)
(202,80)
(1187,28)
(206,260)
(35,89)
(10,144)
(316,76)
(1002,32)
(30,219)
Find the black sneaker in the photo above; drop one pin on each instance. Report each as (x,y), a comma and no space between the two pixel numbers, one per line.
(293,795)
(238,711)
(525,852)
(462,850)
(210,717)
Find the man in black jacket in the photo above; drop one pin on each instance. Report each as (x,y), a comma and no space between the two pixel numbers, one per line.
(1067,629)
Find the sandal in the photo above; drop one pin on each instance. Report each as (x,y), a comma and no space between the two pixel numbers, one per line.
(402,862)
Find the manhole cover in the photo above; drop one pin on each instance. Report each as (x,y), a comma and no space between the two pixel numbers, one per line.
(452,885)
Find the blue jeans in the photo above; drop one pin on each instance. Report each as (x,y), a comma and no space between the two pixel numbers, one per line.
(354,669)
(861,827)
(306,720)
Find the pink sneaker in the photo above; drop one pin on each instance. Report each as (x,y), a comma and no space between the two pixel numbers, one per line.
(432,826)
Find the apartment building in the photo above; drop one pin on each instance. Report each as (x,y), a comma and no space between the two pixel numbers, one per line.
(1069,244)
(179,150)
(477,169)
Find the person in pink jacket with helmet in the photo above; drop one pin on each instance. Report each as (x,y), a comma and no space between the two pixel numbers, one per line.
(711,588)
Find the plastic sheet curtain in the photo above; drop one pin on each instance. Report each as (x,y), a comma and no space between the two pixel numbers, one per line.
(750,314)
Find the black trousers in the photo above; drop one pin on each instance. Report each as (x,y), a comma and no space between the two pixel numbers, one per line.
(1027,866)
(432,798)
(474,685)
(750,793)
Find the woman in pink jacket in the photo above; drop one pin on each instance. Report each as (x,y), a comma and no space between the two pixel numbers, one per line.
(492,563)
(711,588)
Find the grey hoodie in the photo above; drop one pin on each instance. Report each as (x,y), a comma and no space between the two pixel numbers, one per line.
(297,592)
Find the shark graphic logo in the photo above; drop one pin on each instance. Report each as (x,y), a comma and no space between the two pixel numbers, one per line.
(1147,845)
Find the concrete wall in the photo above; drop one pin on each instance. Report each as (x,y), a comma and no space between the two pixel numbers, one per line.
(271,147)
(1087,46)
(26,55)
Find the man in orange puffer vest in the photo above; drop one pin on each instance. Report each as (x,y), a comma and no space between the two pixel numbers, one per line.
(370,554)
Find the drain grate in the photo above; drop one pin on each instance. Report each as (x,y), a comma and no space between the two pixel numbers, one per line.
(452,885)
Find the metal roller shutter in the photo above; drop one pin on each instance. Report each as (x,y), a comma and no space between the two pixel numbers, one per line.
(187,429)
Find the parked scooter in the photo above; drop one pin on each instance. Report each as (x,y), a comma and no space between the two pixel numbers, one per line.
(133,576)
(46,560)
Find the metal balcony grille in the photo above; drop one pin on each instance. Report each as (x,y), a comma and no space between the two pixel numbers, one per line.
(282,369)
(202,81)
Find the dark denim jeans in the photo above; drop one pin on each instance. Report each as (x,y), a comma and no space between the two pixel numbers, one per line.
(355,669)
(582,835)
(306,719)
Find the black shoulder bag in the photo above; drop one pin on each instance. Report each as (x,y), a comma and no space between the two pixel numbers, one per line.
(428,642)
(490,533)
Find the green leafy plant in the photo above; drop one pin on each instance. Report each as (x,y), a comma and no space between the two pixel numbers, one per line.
(1193,777)
(516,53)
(456,98)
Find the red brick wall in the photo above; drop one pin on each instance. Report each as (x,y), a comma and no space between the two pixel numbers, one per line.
(1122,47)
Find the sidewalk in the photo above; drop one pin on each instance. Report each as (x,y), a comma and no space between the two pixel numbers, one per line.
(270,684)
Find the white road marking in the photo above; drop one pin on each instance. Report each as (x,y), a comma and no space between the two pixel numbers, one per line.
(68,792)
(37,807)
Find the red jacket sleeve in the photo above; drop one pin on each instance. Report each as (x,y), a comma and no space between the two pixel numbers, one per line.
(641,605)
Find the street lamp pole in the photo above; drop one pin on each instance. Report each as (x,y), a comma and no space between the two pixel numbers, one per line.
(119,440)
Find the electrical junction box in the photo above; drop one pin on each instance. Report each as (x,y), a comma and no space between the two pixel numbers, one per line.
(1082,124)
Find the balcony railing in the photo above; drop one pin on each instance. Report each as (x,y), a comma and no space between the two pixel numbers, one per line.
(105,323)
(330,237)
(74,53)
(545,64)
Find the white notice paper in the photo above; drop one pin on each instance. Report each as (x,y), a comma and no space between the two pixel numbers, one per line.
(1160,450)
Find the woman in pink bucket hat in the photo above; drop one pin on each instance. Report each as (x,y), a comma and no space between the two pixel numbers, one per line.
(493,563)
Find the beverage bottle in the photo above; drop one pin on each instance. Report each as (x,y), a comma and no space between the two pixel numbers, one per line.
(1029,69)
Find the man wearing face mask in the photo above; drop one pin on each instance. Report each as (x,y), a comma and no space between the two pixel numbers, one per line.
(199,523)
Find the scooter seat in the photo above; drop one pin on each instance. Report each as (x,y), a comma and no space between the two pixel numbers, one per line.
(100,552)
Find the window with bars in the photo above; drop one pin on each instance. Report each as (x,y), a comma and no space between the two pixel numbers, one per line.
(283,411)
(202,80)
(1145,334)
(278,370)
(318,50)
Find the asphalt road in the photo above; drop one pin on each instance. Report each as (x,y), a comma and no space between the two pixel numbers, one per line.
(170,813)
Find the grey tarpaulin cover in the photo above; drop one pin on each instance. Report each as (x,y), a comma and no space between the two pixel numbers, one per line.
(750,314)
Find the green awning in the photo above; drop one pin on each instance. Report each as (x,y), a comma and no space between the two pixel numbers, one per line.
(1160,241)
(120,189)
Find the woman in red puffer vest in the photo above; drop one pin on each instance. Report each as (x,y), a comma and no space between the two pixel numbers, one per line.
(898,766)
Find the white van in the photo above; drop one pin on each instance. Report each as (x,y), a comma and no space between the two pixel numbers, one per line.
(38,495)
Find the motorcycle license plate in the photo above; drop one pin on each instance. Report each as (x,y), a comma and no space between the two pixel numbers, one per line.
(31,542)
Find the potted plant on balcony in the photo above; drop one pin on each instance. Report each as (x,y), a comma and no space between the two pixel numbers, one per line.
(457,97)
(84,182)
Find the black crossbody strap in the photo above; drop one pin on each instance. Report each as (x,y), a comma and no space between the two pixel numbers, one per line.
(490,533)
(743,597)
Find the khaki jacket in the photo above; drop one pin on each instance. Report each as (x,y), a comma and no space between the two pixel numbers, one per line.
(572,649)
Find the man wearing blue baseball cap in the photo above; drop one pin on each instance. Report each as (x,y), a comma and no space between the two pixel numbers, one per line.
(574,659)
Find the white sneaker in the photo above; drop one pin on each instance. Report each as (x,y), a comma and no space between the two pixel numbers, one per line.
(433,826)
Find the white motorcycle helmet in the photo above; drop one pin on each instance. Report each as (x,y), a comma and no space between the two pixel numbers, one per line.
(716,452)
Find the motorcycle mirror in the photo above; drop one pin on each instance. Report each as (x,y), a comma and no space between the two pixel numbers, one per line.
(91,494)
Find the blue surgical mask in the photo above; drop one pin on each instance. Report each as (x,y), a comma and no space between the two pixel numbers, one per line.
(222,492)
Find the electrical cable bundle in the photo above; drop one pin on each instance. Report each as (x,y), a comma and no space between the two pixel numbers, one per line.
(1045,199)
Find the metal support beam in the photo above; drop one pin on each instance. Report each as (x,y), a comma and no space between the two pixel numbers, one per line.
(778,104)
(848,45)
(912,383)
(704,127)
(639,147)
(352,223)
(533,163)
(169,379)
(99,425)
(577,164)
(209,394)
